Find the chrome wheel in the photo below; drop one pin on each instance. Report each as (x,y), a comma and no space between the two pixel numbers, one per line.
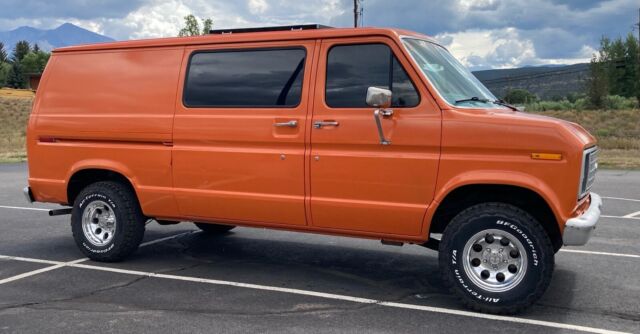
(495,260)
(99,223)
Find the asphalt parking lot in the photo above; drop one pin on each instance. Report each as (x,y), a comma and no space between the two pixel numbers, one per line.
(256,280)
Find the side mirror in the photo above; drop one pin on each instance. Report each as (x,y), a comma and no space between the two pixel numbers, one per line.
(378,97)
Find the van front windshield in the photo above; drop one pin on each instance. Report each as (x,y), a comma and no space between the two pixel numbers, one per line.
(453,81)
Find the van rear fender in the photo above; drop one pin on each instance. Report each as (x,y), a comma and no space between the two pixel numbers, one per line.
(154,200)
(105,165)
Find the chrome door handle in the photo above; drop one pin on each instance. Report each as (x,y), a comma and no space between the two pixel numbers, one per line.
(320,124)
(290,124)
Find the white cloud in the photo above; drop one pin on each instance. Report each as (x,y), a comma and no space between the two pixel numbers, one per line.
(500,48)
(161,18)
(258,6)
(482,33)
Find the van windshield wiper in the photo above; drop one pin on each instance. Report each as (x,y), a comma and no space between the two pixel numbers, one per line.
(473,99)
(505,104)
(498,102)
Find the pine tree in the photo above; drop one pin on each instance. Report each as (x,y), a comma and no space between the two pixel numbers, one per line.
(21,49)
(616,71)
(598,82)
(632,68)
(16,79)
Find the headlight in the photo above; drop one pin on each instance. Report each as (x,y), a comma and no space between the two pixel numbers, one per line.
(588,170)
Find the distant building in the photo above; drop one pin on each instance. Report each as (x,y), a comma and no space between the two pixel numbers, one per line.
(34,80)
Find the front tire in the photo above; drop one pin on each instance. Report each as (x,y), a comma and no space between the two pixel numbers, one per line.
(496,258)
(107,222)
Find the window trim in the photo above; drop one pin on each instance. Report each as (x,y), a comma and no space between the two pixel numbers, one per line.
(277,48)
(415,87)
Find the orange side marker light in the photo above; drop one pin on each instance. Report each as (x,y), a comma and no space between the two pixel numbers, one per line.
(546,156)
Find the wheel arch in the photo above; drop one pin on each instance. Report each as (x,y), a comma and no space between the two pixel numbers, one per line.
(91,172)
(524,192)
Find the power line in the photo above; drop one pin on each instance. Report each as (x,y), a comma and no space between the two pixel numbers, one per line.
(510,80)
(536,75)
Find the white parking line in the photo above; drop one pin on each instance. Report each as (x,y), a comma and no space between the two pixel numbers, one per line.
(600,253)
(347,298)
(619,217)
(22,208)
(622,199)
(41,270)
(58,264)
(632,215)
(144,244)
(27,259)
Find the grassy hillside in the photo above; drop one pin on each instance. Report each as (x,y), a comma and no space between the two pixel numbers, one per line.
(618,131)
(543,81)
(15,106)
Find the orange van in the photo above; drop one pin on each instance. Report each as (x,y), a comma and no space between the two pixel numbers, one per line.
(367,132)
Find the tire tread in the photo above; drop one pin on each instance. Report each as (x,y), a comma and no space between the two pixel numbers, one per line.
(133,223)
(490,209)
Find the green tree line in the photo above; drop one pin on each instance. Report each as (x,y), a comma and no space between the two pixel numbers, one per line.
(24,60)
(615,70)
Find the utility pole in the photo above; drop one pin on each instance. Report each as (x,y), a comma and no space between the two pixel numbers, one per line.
(356,13)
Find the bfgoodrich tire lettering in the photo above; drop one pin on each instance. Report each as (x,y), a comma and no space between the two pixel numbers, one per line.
(503,221)
(120,203)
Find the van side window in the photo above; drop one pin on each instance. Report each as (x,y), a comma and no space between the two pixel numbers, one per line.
(351,69)
(245,78)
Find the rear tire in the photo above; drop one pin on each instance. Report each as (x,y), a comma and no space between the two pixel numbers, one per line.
(209,228)
(107,222)
(496,258)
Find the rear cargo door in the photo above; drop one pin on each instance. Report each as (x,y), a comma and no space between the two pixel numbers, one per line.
(239,133)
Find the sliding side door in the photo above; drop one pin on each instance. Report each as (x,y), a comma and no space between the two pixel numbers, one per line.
(239,133)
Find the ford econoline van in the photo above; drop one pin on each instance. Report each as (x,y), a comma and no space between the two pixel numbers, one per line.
(365,132)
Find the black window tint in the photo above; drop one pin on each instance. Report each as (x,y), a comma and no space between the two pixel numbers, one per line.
(404,92)
(251,78)
(352,69)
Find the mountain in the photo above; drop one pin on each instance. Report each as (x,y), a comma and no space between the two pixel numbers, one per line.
(544,81)
(64,35)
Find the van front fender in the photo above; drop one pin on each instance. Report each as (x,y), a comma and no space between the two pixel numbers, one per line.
(495,177)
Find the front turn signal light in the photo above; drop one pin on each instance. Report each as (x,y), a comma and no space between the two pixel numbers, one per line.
(546,156)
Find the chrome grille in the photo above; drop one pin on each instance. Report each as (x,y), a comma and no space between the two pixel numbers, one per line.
(589,169)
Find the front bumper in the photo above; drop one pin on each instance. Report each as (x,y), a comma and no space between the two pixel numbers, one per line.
(577,231)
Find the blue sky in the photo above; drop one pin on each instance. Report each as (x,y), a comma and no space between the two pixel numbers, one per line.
(482,33)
